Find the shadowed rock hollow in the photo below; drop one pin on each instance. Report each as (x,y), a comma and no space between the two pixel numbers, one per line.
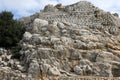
(74,40)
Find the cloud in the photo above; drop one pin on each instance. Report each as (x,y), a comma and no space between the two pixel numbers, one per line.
(27,7)
(108,5)
(67,2)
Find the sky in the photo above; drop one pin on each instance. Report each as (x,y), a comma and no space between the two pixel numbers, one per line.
(22,8)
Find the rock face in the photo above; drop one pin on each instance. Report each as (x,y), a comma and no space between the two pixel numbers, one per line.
(73,40)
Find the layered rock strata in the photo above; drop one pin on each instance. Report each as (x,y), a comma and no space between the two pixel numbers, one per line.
(69,41)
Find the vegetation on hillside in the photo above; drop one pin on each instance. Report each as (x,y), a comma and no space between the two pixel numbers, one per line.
(11,31)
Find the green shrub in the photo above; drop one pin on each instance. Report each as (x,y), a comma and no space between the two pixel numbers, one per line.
(11,31)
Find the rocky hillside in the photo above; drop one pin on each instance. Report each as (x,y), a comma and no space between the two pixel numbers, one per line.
(66,41)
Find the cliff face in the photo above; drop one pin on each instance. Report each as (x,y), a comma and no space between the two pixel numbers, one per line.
(73,40)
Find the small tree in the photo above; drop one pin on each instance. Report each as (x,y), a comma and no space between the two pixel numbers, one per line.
(11,31)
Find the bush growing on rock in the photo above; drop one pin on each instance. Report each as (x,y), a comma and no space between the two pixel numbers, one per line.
(11,31)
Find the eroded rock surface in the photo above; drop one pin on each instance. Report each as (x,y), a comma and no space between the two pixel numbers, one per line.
(73,40)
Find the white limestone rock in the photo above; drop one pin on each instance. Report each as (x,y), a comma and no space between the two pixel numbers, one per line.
(38,23)
(27,36)
(54,71)
(78,70)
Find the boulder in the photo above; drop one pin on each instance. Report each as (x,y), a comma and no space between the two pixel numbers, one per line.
(78,70)
(38,23)
(34,69)
(102,69)
(53,71)
(27,36)
(50,7)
